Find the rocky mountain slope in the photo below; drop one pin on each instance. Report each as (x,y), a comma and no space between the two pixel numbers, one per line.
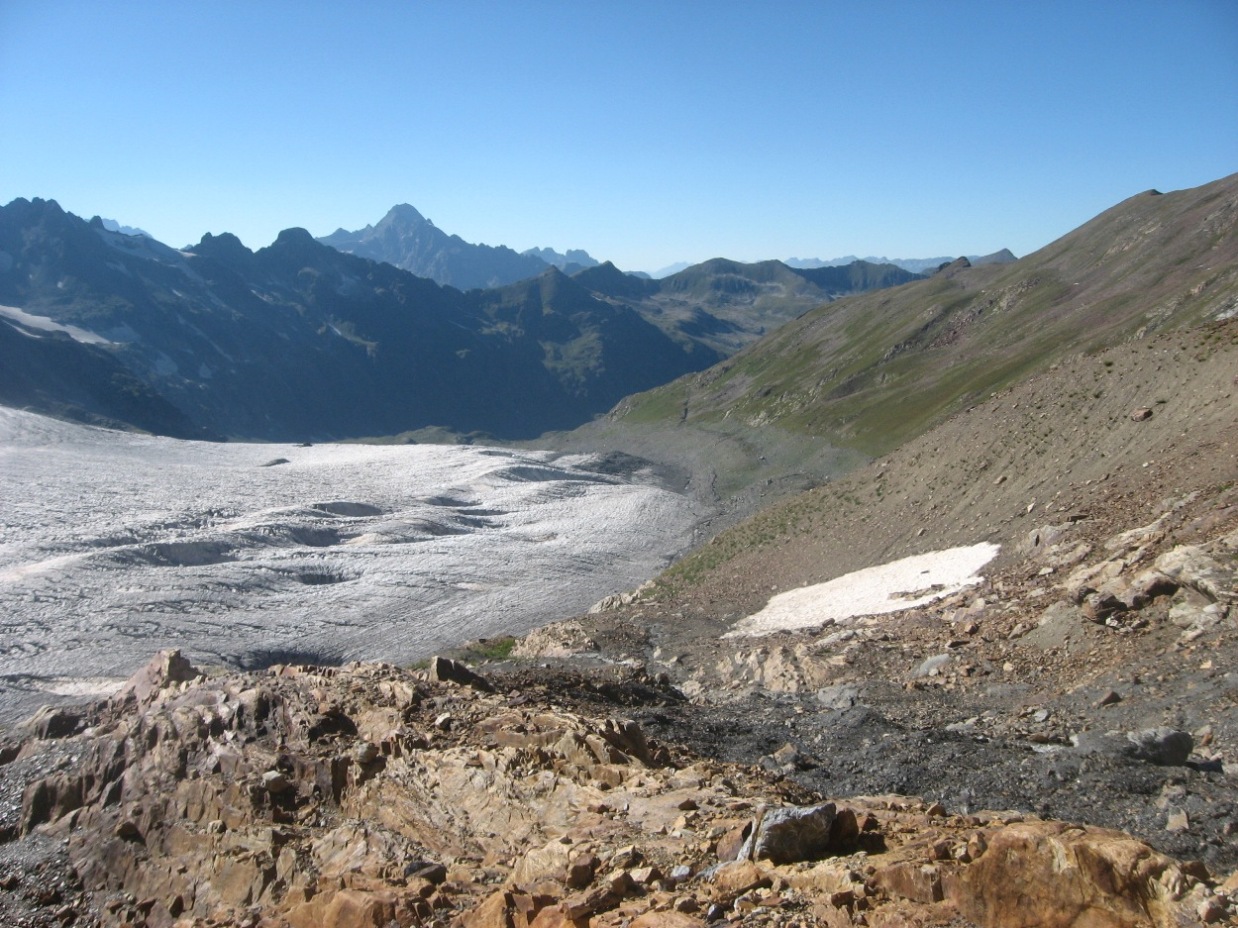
(750,299)
(1111,484)
(371,796)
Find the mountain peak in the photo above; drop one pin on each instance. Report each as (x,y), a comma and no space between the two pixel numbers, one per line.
(403,214)
(223,247)
(294,236)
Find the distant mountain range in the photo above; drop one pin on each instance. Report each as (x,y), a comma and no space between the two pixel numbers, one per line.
(113,226)
(302,341)
(405,238)
(408,240)
(915,265)
(575,260)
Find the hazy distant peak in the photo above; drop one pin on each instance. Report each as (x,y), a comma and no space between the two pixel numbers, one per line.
(573,256)
(670,269)
(403,214)
(113,226)
(915,265)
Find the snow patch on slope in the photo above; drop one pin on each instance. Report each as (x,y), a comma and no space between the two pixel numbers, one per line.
(904,584)
(30,321)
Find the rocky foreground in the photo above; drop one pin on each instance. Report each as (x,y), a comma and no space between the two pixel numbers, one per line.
(370,795)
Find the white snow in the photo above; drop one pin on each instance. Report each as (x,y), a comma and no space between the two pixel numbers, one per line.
(114,545)
(905,584)
(44,324)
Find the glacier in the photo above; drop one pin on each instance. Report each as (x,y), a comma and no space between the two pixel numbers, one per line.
(114,545)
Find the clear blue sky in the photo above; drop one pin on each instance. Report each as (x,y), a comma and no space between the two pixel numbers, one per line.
(646,133)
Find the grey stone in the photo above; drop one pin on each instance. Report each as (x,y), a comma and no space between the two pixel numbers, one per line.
(1167,747)
(791,834)
(933,666)
(1193,567)
(839,696)
(1057,624)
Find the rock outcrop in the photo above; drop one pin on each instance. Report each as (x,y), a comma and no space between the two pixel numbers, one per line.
(369,795)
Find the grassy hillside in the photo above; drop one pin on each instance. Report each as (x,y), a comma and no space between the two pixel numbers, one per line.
(867,373)
(1059,447)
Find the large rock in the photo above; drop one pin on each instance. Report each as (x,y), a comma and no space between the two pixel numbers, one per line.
(167,668)
(445,670)
(791,834)
(1191,566)
(1167,747)
(1052,875)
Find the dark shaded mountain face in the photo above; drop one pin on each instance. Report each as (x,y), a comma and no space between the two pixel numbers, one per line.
(408,240)
(301,341)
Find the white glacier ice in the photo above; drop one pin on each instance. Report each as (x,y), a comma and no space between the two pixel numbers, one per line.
(114,545)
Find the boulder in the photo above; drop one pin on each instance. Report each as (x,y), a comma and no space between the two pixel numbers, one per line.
(1166,747)
(445,670)
(790,834)
(1053,875)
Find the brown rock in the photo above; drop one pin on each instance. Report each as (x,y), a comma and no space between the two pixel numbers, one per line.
(1053,875)
(736,878)
(645,876)
(665,920)
(911,880)
(492,913)
(356,909)
(163,670)
(597,899)
(580,871)
(549,862)
(555,917)
(729,844)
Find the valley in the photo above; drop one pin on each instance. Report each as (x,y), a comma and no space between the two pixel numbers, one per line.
(625,674)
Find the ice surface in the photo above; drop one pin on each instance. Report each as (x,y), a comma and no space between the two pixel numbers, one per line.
(903,584)
(114,545)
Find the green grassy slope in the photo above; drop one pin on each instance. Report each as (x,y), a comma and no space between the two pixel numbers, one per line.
(866,373)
